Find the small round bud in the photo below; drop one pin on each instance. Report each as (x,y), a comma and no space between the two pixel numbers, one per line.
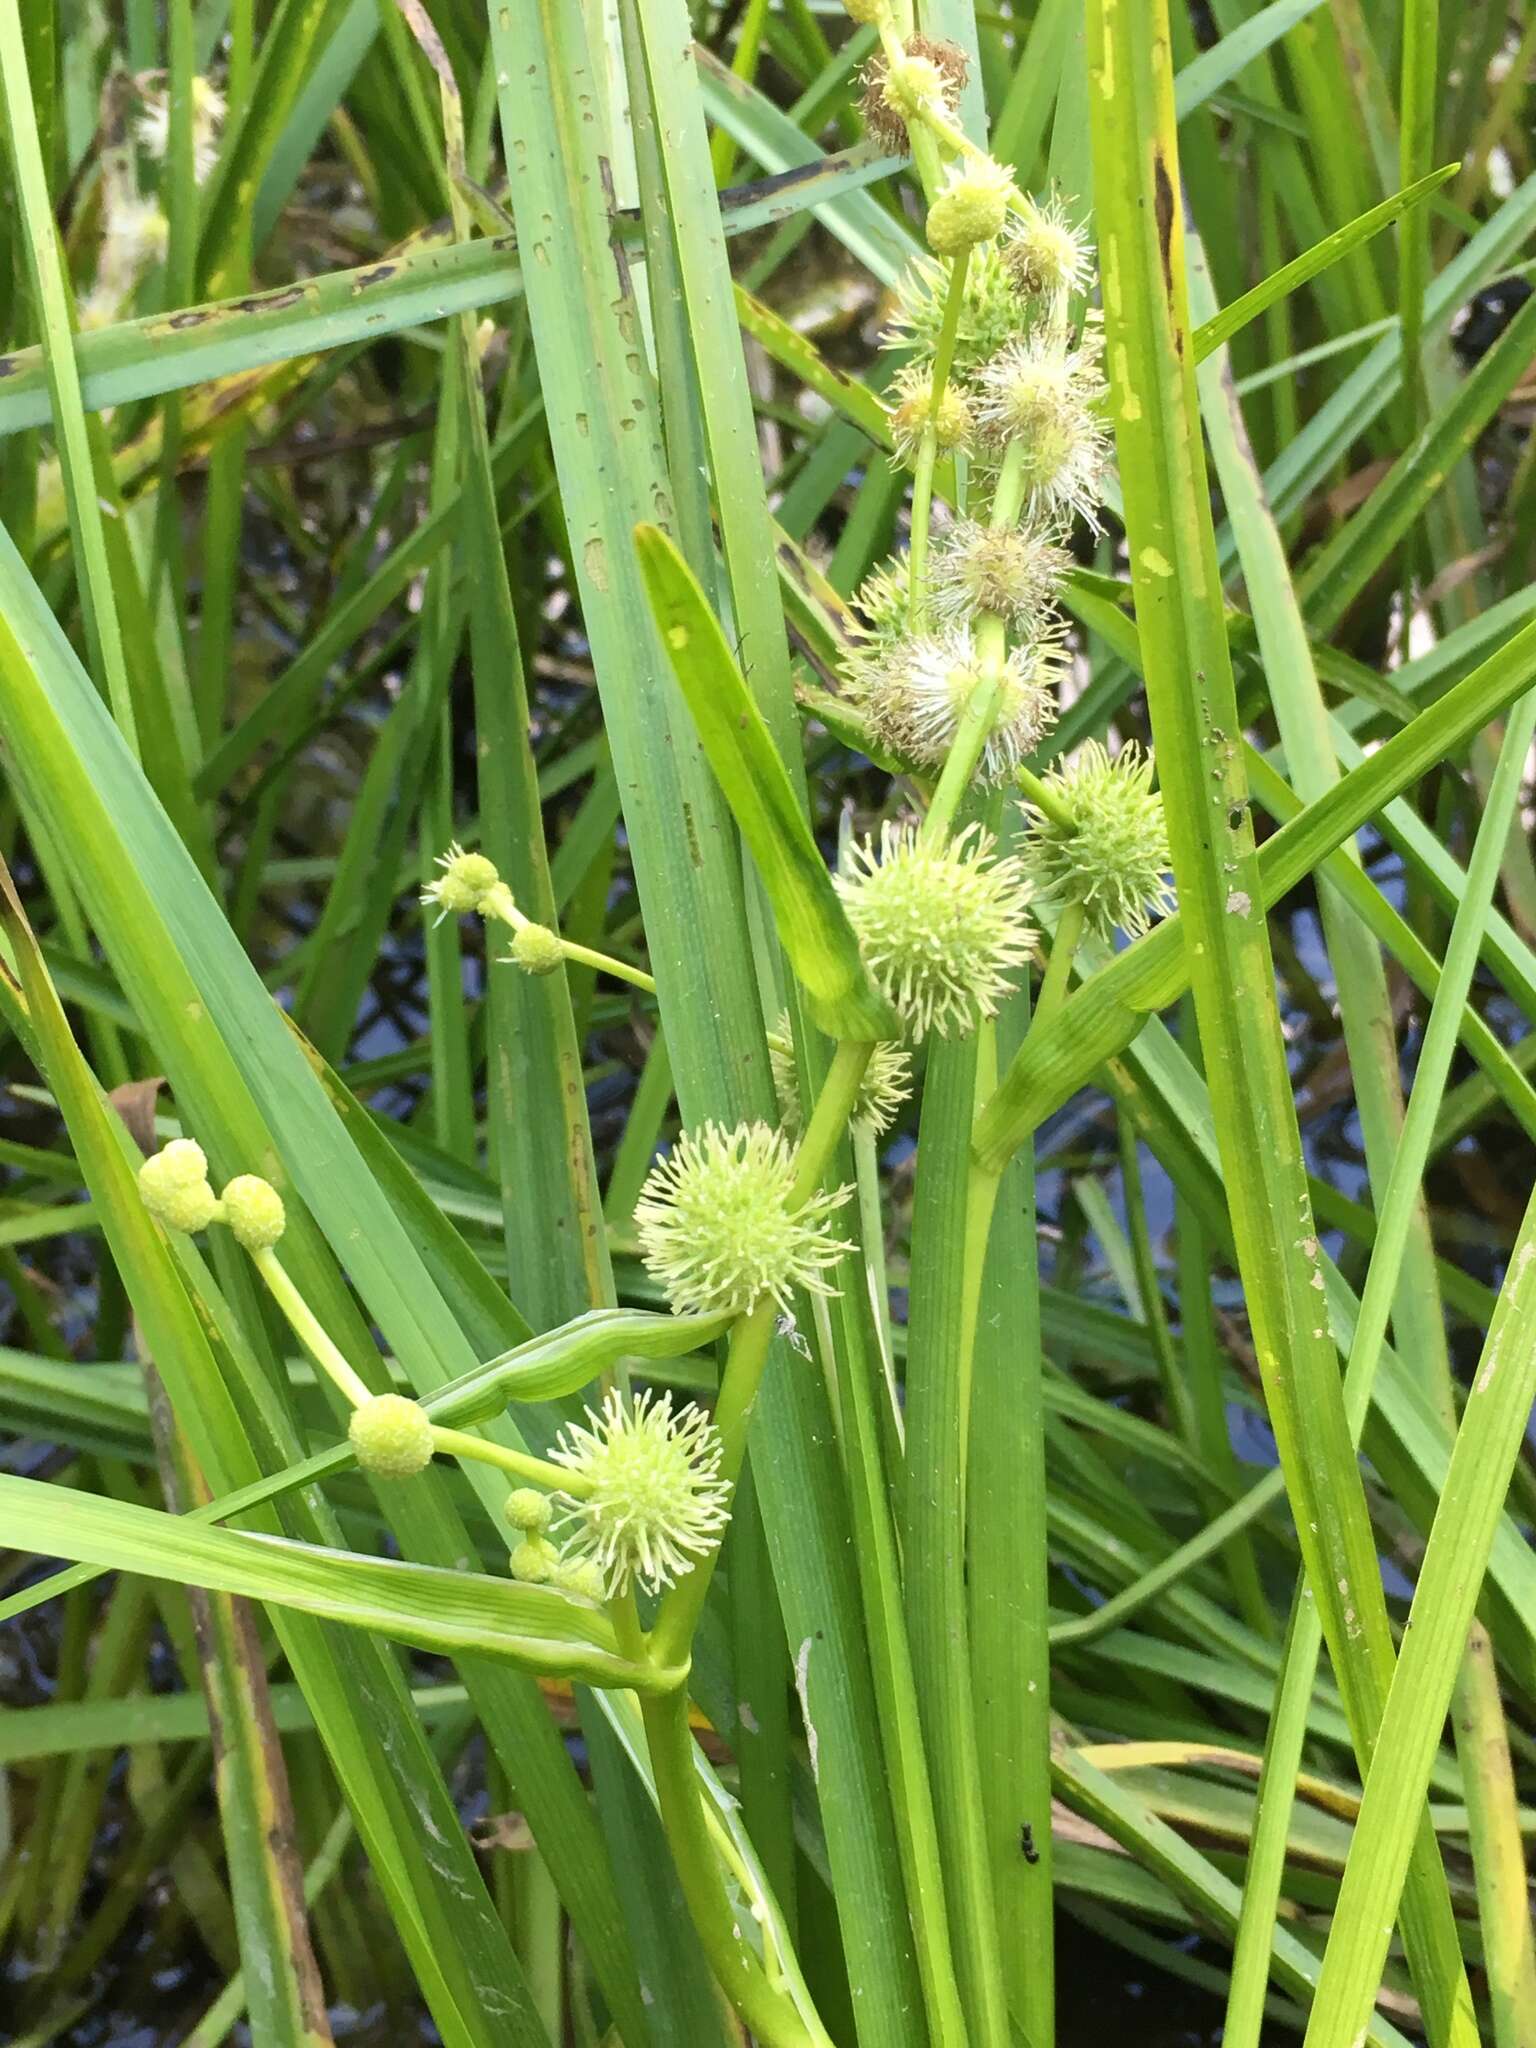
(536,949)
(868,13)
(1045,399)
(972,208)
(653,1501)
(464,885)
(953,421)
(716,1227)
(1011,570)
(1046,254)
(885,1087)
(534,1561)
(1113,857)
(528,1509)
(581,1576)
(941,927)
(392,1436)
(253,1209)
(173,1186)
(917,698)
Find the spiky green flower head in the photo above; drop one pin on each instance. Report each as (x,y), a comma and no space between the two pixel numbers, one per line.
(1048,256)
(942,928)
(468,884)
(877,1101)
(881,606)
(992,310)
(971,209)
(1047,400)
(174,1187)
(536,949)
(1016,571)
(651,1502)
(392,1436)
(1113,857)
(916,700)
(717,1228)
(253,1209)
(953,419)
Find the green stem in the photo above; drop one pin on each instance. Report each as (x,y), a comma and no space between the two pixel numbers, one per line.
(1048,801)
(1058,970)
(458,1443)
(773,2017)
(606,964)
(307,1328)
(928,450)
(971,734)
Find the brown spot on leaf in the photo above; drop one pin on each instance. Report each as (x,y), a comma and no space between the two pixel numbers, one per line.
(377,275)
(1163,204)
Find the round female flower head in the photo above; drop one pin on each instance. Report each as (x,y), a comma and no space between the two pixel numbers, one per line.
(466,883)
(880,617)
(1046,399)
(392,1436)
(885,1087)
(941,927)
(651,1502)
(1047,255)
(536,949)
(1113,858)
(253,1209)
(1012,570)
(716,1227)
(953,422)
(917,698)
(174,1187)
(992,311)
(972,207)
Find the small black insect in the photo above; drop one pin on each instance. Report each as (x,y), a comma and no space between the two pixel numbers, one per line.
(1027,1843)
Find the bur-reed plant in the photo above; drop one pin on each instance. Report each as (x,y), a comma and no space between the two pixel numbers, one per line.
(849,1551)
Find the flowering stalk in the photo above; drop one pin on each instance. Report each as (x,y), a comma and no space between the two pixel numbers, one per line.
(928,448)
(748,1351)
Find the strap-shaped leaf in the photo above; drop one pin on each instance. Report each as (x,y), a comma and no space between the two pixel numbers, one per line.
(813,929)
(444,1611)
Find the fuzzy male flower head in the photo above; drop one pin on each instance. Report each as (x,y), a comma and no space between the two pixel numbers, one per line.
(253,1209)
(651,1501)
(154,125)
(953,420)
(992,311)
(916,699)
(392,1436)
(716,1225)
(931,73)
(467,883)
(942,928)
(1046,399)
(971,209)
(1046,254)
(174,1187)
(1015,571)
(1113,855)
(885,1087)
